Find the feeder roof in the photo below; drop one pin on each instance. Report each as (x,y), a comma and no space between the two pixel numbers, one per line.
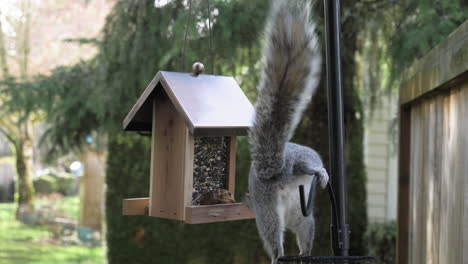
(210,104)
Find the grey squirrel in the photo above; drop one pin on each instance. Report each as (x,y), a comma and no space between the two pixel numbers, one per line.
(289,77)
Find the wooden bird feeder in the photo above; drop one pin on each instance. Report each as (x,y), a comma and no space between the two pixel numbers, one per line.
(194,120)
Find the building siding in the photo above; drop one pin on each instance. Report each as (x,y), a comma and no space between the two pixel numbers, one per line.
(380,160)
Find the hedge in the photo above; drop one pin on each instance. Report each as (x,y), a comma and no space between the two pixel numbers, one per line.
(45,184)
(381,240)
(63,183)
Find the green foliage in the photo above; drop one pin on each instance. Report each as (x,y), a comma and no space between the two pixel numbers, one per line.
(419,26)
(381,238)
(45,184)
(73,100)
(69,98)
(399,32)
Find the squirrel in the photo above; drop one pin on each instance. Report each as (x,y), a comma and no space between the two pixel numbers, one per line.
(290,75)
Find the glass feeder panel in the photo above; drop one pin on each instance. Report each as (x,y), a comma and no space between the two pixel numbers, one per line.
(210,172)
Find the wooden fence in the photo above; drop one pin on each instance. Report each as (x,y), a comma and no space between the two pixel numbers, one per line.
(433,159)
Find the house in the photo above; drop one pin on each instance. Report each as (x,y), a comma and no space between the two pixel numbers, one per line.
(381,161)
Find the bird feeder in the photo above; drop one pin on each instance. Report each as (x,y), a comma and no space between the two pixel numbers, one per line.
(194,120)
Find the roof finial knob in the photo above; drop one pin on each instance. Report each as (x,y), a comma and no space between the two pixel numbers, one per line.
(198,68)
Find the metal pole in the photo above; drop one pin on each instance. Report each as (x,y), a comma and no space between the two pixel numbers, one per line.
(340,233)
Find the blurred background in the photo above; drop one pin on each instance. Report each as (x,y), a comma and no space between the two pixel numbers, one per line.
(70,71)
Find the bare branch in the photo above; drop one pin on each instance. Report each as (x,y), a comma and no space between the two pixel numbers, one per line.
(8,136)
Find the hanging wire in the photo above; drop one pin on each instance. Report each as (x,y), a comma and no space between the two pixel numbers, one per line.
(209,32)
(186,32)
(211,42)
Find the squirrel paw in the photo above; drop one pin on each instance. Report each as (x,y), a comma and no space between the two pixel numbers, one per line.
(323,177)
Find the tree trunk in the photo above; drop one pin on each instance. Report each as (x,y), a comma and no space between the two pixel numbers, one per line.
(92,189)
(24,151)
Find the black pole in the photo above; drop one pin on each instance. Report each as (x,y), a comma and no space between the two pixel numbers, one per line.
(340,233)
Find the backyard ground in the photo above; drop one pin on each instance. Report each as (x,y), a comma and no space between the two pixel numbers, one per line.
(23,244)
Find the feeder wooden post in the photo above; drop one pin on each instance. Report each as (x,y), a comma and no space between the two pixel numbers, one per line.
(231,181)
(167,161)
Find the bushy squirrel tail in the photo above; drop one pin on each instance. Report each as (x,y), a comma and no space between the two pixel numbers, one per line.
(289,77)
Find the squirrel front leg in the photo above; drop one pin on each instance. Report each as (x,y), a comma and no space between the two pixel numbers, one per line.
(303,168)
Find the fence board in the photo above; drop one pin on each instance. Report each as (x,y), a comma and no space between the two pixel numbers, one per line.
(428,185)
(456,166)
(417,124)
(436,192)
(459,163)
(464,162)
(445,183)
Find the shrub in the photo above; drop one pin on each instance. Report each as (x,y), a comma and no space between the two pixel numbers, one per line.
(66,184)
(63,183)
(381,240)
(45,184)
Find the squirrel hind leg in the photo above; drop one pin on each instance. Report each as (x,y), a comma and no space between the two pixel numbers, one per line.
(305,236)
(271,229)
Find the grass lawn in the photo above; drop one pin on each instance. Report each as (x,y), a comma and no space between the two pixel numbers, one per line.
(22,244)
